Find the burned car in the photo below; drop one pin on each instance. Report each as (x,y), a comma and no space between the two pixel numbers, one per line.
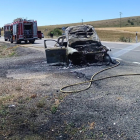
(79,45)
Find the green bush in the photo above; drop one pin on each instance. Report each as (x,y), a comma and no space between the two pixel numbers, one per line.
(132,23)
(54,109)
(125,39)
(56,32)
(129,21)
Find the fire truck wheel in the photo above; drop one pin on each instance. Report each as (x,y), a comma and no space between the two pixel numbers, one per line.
(107,59)
(18,42)
(32,41)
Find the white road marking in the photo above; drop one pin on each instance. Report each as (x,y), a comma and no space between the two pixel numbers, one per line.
(116,58)
(137,63)
(125,50)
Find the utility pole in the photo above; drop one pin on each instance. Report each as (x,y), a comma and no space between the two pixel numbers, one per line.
(82,21)
(120,18)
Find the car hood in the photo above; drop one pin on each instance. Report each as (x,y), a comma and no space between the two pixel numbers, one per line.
(81,34)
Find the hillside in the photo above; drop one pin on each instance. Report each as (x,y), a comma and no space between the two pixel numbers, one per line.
(107,30)
(125,22)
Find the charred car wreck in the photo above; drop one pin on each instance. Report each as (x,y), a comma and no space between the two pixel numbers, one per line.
(79,45)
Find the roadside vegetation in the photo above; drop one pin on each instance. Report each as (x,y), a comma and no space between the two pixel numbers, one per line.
(118,34)
(114,34)
(2,33)
(7,51)
(23,112)
(56,32)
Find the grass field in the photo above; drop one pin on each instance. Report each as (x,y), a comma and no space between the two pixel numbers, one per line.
(107,30)
(105,34)
(7,52)
(127,29)
(116,34)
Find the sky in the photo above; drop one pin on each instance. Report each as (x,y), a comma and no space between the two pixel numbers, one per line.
(53,12)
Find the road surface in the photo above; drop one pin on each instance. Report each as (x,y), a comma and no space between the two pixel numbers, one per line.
(112,105)
(122,51)
(125,51)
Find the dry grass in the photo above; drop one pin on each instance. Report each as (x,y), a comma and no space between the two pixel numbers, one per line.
(131,29)
(7,52)
(2,33)
(122,29)
(105,34)
(114,34)
(22,111)
(104,29)
(15,98)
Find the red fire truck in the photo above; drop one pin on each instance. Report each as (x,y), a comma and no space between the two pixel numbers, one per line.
(21,30)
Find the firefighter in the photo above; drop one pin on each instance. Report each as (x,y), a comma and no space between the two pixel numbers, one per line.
(51,34)
(11,35)
(11,32)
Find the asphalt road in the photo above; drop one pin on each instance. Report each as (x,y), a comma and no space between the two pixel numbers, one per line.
(123,51)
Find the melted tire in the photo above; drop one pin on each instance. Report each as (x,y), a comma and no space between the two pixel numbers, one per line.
(107,59)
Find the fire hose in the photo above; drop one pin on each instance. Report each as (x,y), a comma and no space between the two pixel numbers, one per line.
(92,79)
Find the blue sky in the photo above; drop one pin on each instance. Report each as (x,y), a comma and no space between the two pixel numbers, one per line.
(52,12)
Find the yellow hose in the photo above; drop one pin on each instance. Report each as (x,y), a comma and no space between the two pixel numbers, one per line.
(91,80)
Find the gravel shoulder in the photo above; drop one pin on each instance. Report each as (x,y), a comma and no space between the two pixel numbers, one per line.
(33,107)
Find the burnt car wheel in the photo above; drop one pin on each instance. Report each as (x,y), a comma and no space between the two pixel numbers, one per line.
(107,59)
(75,58)
(18,42)
(32,41)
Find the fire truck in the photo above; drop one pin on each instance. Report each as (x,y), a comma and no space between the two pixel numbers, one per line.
(21,30)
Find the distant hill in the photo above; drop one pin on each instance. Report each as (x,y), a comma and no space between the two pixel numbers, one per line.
(108,30)
(125,22)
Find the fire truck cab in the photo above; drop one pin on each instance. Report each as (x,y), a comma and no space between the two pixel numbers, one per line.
(7,31)
(21,30)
